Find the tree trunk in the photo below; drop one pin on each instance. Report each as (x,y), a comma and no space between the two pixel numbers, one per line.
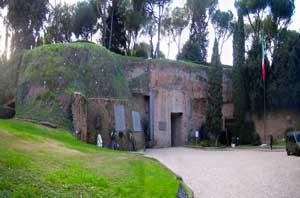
(103,18)
(111,26)
(179,43)
(6,43)
(158,32)
(169,45)
(152,47)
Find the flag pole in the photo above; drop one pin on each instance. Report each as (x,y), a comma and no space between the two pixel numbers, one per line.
(265,111)
(264,81)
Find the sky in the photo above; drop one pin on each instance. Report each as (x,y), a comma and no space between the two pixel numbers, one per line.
(224,5)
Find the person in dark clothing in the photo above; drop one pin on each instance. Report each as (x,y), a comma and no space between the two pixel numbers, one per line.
(271,142)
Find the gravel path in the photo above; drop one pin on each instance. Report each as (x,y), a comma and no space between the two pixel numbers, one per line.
(234,173)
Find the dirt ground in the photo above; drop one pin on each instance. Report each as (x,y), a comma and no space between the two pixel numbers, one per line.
(241,173)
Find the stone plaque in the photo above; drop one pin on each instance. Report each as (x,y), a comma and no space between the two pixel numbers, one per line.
(136,121)
(120,123)
(162,126)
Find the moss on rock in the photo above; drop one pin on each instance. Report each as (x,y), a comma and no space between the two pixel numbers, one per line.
(63,69)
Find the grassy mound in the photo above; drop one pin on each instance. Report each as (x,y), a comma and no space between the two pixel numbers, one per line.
(40,162)
(50,74)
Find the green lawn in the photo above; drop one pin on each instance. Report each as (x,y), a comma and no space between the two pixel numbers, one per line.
(36,161)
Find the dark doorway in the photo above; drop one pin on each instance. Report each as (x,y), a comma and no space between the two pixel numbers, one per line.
(176,129)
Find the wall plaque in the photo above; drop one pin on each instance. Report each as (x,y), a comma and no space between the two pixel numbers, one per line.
(162,126)
(120,123)
(136,121)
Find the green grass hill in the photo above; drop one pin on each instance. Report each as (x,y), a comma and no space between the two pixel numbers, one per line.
(36,161)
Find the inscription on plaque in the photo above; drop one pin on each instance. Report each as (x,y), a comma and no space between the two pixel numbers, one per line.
(136,121)
(162,126)
(120,124)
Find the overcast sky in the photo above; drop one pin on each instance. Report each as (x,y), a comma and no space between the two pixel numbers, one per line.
(224,5)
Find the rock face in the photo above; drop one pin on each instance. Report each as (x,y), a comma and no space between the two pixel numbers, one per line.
(79,116)
(167,98)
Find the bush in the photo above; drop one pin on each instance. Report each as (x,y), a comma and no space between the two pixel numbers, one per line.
(142,50)
(256,140)
(204,143)
(290,129)
(245,131)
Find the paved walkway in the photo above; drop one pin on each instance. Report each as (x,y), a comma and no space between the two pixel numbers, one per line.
(234,173)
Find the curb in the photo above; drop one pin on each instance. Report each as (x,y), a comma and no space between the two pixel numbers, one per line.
(208,148)
(178,177)
(257,148)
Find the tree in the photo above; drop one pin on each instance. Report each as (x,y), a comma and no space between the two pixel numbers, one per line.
(116,36)
(201,12)
(102,13)
(262,13)
(7,35)
(180,20)
(26,18)
(150,30)
(161,5)
(254,10)
(271,16)
(59,24)
(222,25)
(167,30)
(154,10)
(134,21)
(284,83)
(142,50)
(215,95)
(189,52)
(84,20)
(239,95)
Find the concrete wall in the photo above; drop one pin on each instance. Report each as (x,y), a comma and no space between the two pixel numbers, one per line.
(276,122)
(166,102)
(179,90)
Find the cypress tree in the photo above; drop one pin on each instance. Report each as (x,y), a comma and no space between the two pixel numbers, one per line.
(239,95)
(215,95)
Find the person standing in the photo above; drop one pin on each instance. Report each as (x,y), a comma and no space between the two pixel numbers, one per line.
(271,142)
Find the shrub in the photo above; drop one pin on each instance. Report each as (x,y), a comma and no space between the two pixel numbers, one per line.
(256,140)
(287,130)
(46,96)
(245,131)
(204,143)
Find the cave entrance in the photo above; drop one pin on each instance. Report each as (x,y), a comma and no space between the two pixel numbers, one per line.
(176,129)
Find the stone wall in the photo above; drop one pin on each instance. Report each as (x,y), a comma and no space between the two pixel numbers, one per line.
(276,123)
(79,116)
(101,119)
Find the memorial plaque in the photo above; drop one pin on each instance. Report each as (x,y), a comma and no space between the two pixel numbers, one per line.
(162,126)
(136,121)
(120,123)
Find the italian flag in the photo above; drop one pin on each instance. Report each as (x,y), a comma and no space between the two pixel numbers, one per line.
(263,66)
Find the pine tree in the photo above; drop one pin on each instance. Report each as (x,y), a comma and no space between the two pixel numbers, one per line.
(215,95)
